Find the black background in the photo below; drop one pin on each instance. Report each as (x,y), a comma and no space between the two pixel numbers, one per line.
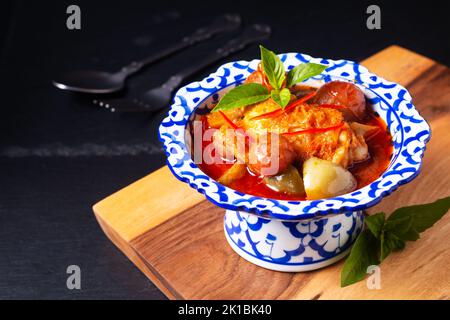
(59,154)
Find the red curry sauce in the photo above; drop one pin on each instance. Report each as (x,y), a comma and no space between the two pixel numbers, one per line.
(380,150)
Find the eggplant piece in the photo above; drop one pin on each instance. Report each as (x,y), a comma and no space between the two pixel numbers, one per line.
(325,179)
(289,181)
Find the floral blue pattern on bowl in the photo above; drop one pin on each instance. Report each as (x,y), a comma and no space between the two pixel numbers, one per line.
(292,246)
(410,133)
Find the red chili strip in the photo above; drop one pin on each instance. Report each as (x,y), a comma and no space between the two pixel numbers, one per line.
(313,130)
(271,114)
(300,101)
(278,112)
(237,128)
(228,120)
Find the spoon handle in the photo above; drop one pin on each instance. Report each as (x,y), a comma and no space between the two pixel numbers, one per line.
(226,22)
(252,34)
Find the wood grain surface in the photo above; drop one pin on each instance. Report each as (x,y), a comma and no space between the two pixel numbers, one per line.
(176,237)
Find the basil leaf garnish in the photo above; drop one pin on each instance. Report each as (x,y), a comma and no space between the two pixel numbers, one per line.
(389,243)
(302,72)
(383,236)
(375,223)
(364,253)
(402,228)
(281,97)
(242,96)
(422,216)
(273,68)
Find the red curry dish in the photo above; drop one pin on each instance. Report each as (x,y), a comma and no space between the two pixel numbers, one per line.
(325,141)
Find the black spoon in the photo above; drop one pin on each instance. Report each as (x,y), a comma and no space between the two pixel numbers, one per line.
(100,82)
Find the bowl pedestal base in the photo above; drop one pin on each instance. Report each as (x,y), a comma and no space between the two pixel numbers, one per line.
(292,246)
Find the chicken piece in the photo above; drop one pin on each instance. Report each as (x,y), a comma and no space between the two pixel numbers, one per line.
(351,148)
(344,94)
(262,125)
(216,120)
(230,144)
(269,154)
(265,154)
(341,145)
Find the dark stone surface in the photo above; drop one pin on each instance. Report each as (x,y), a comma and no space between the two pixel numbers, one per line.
(59,154)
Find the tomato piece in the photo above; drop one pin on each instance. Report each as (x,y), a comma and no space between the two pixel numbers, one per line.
(343,94)
(270,154)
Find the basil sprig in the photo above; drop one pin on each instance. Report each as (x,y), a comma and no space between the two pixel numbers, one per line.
(383,236)
(304,71)
(273,68)
(281,97)
(242,96)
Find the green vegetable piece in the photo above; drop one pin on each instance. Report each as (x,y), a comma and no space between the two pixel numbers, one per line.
(288,181)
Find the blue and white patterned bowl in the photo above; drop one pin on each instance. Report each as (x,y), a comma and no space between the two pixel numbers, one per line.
(296,235)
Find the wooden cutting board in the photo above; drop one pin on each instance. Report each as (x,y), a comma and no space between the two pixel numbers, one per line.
(176,237)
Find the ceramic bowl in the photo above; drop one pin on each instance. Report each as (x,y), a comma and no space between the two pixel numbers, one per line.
(295,235)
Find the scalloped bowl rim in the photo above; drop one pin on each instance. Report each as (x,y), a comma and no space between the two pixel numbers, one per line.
(172,128)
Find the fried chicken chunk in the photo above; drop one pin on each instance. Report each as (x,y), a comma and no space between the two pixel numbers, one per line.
(341,146)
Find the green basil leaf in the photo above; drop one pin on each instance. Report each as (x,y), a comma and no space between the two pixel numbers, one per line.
(302,72)
(364,253)
(389,243)
(403,225)
(273,68)
(402,228)
(282,97)
(375,223)
(241,96)
(422,216)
